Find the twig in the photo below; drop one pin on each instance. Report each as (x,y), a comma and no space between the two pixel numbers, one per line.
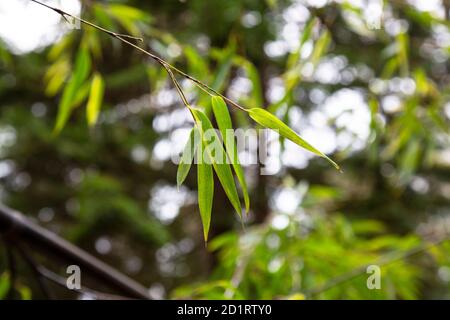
(167,66)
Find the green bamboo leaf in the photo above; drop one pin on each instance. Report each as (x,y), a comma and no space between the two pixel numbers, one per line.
(221,167)
(188,155)
(80,73)
(225,126)
(268,120)
(95,99)
(205,191)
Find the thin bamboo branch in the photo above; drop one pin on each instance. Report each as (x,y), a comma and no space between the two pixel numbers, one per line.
(166,65)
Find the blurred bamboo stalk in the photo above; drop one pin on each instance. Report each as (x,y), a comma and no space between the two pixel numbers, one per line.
(16,227)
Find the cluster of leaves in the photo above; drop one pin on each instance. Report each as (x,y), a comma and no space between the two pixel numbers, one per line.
(322,258)
(79,81)
(73,95)
(221,165)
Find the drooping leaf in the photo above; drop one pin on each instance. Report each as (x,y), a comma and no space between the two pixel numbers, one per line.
(56,76)
(205,190)
(268,120)
(81,71)
(221,167)
(188,155)
(223,119)
(95,99)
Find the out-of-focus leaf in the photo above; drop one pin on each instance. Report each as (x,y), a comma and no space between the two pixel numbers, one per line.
(91,40)
(129,17)
(4,284)
(268,120)
(60,47)
(225,62)
(320,47)
(196,63)
(403,50)
(25,293)
(223,119)
(205,190)
(81,71)
(121,10)
(222,168)
(410,159)
(253,75)
(188,155)
(56,75)
(306,35)
(102,17)
(95,99)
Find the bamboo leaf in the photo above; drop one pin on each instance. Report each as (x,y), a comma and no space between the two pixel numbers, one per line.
(95,99)
(268,120)
(223,119)
(188,155)
(221,167)
(81,71)
(205,191)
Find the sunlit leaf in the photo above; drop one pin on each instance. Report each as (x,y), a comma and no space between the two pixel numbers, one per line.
(225,126)
(95,99)
(222,168)
(268,120)
(81,71)
(188,155)
(56,75)
(129,17)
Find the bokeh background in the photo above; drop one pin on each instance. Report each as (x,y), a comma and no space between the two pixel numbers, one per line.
(366,82)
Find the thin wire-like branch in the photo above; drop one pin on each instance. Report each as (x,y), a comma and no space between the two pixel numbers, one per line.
(167,66)
(66,14)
